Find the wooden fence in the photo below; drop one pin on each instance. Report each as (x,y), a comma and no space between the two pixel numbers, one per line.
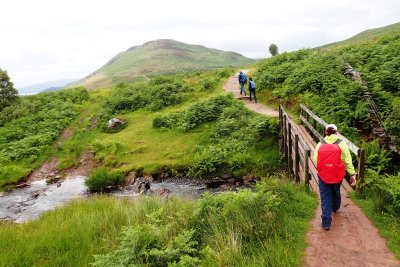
(295,148)
(298,148)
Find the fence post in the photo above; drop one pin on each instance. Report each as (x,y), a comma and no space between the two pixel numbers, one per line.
(296,158)
(285,135)
(290,142)
(281,127)
(315,127)
(306,167)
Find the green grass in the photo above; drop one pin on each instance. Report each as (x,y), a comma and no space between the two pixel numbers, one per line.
(137,145)
(140,145)
(71,235)
(262,227)
(367,35)
(388,225)
(250,232)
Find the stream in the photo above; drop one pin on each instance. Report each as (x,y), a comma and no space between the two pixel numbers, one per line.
(28,203)
(23,204)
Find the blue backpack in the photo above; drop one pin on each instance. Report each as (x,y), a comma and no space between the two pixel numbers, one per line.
(252,85)
(244,78)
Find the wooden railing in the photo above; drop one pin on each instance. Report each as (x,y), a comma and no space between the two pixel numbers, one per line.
(297,147)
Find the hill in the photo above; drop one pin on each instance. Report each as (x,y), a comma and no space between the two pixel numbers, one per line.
(368,35)
(159,57)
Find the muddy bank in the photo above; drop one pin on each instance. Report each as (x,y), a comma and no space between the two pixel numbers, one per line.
(48,170)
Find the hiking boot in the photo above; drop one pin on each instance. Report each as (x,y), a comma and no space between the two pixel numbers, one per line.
(327,228)
(338,211)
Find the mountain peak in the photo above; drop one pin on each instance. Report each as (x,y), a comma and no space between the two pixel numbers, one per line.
(160,57)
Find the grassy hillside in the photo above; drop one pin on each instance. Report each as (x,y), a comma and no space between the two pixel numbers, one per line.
(182,123)
(160,57)
(316,78)
(178,126)
(30,126)
(367,35)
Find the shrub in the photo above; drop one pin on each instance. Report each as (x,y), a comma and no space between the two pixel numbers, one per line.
(376,158)
(196,114)
(246,228)
(36,121)
(101,179)
(208,84)
(383,189)
(315,77)
(155,95)
(231,145)
(388,192)
(224,73)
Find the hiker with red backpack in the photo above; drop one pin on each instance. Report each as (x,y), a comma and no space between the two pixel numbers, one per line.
(333,158)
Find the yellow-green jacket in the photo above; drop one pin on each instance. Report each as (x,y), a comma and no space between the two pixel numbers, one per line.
(346,156)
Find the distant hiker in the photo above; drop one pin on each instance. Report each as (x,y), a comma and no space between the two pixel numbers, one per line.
(333,158)
(252,88)
(242,80)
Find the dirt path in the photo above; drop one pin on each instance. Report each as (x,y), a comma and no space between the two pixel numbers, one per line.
(352,241)
(232,86)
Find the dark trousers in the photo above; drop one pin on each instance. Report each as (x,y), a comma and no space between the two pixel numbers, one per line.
(330,201)
(242,89)
(254,93)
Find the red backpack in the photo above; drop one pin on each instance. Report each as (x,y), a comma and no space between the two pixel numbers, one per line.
(330,165)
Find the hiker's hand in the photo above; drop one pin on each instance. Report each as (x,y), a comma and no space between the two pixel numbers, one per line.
(353,180)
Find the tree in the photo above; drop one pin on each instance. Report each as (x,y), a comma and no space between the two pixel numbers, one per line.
(273,49)
(8,94)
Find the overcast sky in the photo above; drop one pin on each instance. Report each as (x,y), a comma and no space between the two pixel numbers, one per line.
(45,40)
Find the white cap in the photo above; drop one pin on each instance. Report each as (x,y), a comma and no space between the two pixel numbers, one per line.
(332,126)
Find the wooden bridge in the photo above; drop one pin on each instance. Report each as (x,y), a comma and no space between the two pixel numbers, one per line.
(298,143)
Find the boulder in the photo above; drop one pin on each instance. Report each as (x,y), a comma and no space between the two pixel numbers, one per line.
(141,185)
(22,185)
(115,123)
(162,192)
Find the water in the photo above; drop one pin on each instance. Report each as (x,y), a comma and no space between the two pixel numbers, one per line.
(23,204)
(185,189)
(28,203)
(182,189)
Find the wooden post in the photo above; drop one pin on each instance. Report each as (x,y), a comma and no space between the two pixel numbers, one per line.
(281,129)
(306,167)
(290,142)
(308,120)
(315,126)
(296,158)
(285,135)
(301,112)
